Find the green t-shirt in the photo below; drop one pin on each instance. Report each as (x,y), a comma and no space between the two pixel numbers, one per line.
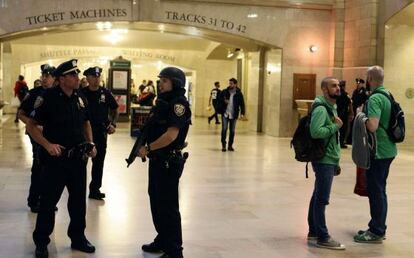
(380,107)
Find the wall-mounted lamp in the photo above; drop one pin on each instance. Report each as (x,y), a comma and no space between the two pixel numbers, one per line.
(231,52)
(313,48)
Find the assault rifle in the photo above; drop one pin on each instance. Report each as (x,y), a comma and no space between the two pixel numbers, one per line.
(139,142)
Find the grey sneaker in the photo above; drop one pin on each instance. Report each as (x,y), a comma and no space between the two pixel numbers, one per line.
(330,244)
(360,232)
(368,237)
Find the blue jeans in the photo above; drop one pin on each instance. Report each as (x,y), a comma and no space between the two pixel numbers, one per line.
(225,124)
(376,186)
(324,174)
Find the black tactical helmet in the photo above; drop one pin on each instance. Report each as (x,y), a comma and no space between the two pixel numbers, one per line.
(176,76)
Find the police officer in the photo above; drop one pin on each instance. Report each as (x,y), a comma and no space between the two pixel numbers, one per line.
(62,112)
(103,113)
(360,94)
(25,109)
(172,118)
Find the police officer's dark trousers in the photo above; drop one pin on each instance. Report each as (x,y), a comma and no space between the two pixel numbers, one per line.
(100,140)
(34,191)
(164,178)
(58,173)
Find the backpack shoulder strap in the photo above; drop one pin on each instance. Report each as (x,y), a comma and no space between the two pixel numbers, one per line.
(323,105)
(389,96)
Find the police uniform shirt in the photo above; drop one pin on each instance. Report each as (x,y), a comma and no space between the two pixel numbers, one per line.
(177,114)
(99,103)
(28,102)
(359,97)
(62,117)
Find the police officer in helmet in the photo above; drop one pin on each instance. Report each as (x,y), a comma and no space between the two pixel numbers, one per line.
(62,111)
(172,118)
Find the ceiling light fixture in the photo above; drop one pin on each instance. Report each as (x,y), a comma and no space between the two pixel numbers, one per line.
(115,35)
(313,48)
(252,15)
(103,26)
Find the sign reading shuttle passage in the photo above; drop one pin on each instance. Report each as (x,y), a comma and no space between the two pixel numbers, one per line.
(76,15)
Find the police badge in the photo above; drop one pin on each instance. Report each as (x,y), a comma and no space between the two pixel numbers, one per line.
(179,109)
(102,99)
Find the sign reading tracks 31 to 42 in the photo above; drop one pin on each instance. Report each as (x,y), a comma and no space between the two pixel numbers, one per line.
(214,23)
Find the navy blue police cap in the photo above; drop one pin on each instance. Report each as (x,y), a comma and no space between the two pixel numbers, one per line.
(47,69)
(68,67)
(94,71)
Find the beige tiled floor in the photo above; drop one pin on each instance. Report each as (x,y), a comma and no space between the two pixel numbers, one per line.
(250,203)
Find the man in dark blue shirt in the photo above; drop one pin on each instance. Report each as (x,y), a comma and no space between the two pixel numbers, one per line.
(103,114)
(25,109)
(62,112)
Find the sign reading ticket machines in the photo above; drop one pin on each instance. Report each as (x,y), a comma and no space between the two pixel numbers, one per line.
(119,82)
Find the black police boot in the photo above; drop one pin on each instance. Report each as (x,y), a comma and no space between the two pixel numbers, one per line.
(151,248)
(41,252)
(165,255)
(230,148)
(96,195)
(223,147)
(83,245)
(34,208)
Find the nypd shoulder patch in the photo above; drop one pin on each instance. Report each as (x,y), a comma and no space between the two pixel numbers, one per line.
(38,102)
(81,103)
(179,109)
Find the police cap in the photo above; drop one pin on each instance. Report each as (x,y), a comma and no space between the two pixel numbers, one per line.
(47,69)
(94,71)
(68,67)
(176,76)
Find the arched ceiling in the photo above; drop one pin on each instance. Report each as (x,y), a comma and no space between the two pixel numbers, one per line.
(403,17)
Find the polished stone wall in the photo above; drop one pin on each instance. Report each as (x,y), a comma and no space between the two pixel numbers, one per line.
(287,27)
(399,61)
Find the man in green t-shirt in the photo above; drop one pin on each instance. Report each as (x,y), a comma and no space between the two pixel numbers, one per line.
(379,112)
(325,125)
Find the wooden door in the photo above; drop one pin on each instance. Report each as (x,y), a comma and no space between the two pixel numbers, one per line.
(304,86)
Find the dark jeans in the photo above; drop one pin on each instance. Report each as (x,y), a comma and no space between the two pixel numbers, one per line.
(34,190)
(163,192)
(225,124)
(58,173)
(376,186)
(100,140)
(215,115)
(320,198)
